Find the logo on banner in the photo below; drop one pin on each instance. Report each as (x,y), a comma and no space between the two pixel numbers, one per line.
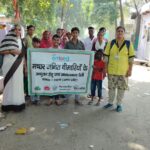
(47,88)
(37,88)
(59,58)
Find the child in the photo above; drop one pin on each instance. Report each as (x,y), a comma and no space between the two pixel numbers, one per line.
(55,43)
(97,76)
(36,44)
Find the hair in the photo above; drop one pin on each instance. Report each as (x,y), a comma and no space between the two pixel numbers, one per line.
(75,29)
(68,33)
(55,36)
(30,26)
(36,40)
(102,29)
(100,51)
(90,28)
(14,26)
(58,29)
(120,27)
(100,32)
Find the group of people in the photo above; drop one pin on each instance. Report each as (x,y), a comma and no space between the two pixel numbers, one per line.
(113,59)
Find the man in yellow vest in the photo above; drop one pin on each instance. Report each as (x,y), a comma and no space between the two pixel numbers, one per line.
(119,56)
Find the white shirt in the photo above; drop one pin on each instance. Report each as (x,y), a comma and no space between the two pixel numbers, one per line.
(100,46)
(88,43)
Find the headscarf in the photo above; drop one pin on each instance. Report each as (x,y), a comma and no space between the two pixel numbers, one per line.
(46,43)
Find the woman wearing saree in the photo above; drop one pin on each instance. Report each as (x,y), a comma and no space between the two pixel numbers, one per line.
(13,93)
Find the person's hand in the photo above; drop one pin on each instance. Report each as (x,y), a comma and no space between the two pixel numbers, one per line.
(106,71)
(129,73)
(15,52)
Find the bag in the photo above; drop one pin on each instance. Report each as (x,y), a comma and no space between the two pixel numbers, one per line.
(126,42)
(1,84)
(1,60)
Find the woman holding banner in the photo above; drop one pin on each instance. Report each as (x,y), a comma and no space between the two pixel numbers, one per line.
(13,94)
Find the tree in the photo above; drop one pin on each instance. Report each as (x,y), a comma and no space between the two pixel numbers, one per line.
(46,14)
(105,12)
(121,13)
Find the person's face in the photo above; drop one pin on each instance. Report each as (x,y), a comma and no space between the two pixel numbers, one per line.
(56,42)
(46,35)
(62,31)
(69,36)
(65,38)
(120,33)
(59,32)
(98,55)
(100,35)
(75,34)
(18,31)
(36,44)
(91,32)
(31,31)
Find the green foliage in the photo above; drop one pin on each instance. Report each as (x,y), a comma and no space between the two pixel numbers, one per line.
(105,12)
(48,14)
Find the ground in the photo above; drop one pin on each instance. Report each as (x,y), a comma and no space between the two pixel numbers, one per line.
(69,127)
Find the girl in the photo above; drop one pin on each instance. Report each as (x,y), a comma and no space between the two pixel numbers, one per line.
(97,76)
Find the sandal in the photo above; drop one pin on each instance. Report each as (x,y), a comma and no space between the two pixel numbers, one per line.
(90,102)
(58,102)
(50,102)
(77,102)
(98,103)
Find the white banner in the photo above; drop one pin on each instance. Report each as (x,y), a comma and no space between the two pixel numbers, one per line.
(53,71)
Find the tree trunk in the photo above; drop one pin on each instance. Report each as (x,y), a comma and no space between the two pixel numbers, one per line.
(121,14)
(62,17)
(138,23)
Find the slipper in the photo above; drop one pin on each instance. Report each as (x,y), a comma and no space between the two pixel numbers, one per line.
(90,102)
(77,102)
(97,104)
(58,103)
(49,103)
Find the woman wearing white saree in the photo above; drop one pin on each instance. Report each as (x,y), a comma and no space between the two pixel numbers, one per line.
(13,94)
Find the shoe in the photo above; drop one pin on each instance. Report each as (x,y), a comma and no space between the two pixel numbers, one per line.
(119,108)
(90,102)
(108,106)
(78,103)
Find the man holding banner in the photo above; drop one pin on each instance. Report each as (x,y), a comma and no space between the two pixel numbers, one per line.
(75,44)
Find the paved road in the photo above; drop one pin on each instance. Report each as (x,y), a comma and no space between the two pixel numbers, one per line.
(61,128)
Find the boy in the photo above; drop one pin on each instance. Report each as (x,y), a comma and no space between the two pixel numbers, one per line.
(75,44)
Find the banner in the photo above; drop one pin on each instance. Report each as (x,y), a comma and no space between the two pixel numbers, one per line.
(55,71)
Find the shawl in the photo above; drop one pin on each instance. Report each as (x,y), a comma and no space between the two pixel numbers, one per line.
(9,42)
(46,43)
